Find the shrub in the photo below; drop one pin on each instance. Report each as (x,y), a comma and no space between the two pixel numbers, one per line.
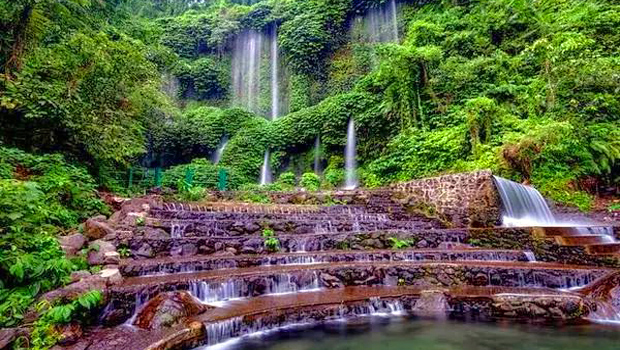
(287,180)
(310,182)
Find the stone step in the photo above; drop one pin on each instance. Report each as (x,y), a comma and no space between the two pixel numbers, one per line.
(159,244)
(582,240)
(264,279)
(171,265)
(198,228)
(604,249)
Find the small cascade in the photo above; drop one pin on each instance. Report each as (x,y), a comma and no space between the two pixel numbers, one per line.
(177,230)
(349,156)
(530,256)
(141,299)
(217,155)
(605,313)
(215,292)
(317,155)
(265,173)
(523,205)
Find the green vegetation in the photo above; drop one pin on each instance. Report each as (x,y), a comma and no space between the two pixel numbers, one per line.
(272,243)
(401,243)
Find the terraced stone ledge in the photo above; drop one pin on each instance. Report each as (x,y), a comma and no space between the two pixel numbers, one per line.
(244,317)
(251,282)
(171,265)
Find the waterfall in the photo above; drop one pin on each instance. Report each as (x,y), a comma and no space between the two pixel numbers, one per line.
(317,155)
(246,63)
(349,156)
(275,93)
(265,173)
(217,156)
(380,23)
(523,205)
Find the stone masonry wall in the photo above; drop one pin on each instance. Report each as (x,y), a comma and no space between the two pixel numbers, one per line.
(465,199)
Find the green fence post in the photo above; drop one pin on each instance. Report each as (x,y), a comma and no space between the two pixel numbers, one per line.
(130,182)
(189,177)
(221,179)
(158,177)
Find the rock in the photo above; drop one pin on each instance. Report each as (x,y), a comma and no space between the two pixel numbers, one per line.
(155,233)
(113,258)
(330,281)
(168,309)
(100,218)
(145,251)
(112,276)
(94,229)
(9,335)
(69,334)
(72,244)
(74,290)
(97,254)
(231,250)
(189,249)
(79,275)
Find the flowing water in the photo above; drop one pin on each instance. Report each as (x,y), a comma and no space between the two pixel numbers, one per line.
(246,69)
(433,335)
(317,155)
(217,155)
(350,163)
(265,172)
(380,23)
(523,205)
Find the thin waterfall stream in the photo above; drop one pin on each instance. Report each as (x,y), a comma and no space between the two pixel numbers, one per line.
(350,162)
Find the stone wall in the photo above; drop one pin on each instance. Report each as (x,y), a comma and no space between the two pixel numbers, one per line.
(466,199)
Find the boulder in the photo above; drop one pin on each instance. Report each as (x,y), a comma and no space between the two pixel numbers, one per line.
(99,252)
(72,244)
(94,229)
(168,309)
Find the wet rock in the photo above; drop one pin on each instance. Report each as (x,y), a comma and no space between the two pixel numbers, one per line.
(481,279)
(330,281)
(168,309)
(72,244)
(94,229)
(99,249)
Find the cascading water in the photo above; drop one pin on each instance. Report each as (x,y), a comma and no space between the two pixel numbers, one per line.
(317,155)
(349,158)
(217,156)
(523,205)
(246,64)
(265,177)
(380,23)
(275,88)
(265,173)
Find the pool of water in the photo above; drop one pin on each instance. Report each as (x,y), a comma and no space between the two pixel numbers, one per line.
(381,334)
